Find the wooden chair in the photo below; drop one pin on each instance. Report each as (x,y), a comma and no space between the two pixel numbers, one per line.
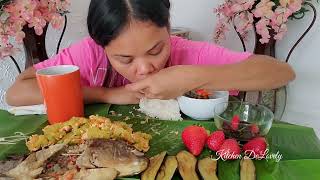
(275,99)
(35,46)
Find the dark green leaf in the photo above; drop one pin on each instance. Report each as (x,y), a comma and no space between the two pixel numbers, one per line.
(229,170)
(288,170)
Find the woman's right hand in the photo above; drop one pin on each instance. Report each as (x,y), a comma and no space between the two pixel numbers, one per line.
(121,95)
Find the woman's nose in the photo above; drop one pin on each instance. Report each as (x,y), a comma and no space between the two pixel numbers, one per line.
(145,68)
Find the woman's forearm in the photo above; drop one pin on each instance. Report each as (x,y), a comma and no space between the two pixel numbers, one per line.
(95,94)
(26,92)
(256,73)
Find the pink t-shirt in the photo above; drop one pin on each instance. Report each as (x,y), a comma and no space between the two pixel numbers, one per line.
(93,62)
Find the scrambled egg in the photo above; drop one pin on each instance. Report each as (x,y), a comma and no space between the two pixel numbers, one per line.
(77,130)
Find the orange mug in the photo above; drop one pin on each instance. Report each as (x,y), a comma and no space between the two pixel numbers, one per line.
(61,90)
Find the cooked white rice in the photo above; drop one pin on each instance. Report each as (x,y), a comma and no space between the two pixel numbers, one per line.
(161,109)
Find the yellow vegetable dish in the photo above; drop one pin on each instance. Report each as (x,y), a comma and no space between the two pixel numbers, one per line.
(77,130)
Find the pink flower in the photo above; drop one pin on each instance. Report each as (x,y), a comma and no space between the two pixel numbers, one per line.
(5,40)
(225,10)
(266,15)
(57,21)
(281,32)
(19,36)
(293,5)
(15,26)
(7,51)
(229,10)
(29,8)
(64,5)
(245,23)
(14,10)
(38,23)
(280,16)
(221,29)
(278,21)
(242,5)
(264,9)
(34,13)
(263,30)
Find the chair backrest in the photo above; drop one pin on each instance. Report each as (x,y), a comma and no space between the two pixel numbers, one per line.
(35,46)
(275,99)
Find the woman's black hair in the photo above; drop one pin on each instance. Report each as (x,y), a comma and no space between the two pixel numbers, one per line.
(107,18)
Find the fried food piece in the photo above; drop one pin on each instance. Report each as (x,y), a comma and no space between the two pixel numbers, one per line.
(141,141)
(187,165)
(101,153)
(84,160)
(97,174)
(36,142)
(31,167)
(207,168)
(247,169)
(168,169)
(66,133)
(154,165)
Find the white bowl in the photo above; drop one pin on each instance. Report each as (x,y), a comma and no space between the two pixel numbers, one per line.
(202,109)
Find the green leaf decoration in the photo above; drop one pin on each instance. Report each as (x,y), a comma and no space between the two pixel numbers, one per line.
(298,145)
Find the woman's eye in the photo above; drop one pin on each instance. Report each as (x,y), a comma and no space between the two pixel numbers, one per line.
(155,52)
(125,60)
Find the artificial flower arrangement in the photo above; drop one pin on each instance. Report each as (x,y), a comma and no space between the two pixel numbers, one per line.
(267,17)
(36,14)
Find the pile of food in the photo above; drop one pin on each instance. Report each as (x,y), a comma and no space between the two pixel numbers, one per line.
(161,109)
(77,130)
(164,167)
(97,148)
(199,94)
(169,109)
(81,148)
(196,138)
(239,129)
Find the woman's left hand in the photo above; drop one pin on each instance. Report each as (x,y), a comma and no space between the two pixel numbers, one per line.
(168,83)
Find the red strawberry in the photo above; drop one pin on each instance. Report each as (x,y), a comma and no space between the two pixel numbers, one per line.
(255,147)
(230,149)
(194,138)
(254,129)
(235,122)
(215,140)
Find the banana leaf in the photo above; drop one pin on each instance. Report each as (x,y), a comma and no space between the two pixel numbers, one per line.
(302,169)
(298,145)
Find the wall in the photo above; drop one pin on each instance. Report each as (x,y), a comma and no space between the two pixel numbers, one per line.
(197,16)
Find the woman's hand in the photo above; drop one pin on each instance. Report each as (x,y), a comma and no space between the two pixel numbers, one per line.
(256,73)
(168,83)
(122,96)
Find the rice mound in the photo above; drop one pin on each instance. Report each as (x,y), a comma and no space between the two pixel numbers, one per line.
(161,109)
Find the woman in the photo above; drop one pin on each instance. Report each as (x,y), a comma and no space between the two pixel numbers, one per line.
(130,54)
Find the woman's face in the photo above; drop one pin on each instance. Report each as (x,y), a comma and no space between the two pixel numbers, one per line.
(140,50)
